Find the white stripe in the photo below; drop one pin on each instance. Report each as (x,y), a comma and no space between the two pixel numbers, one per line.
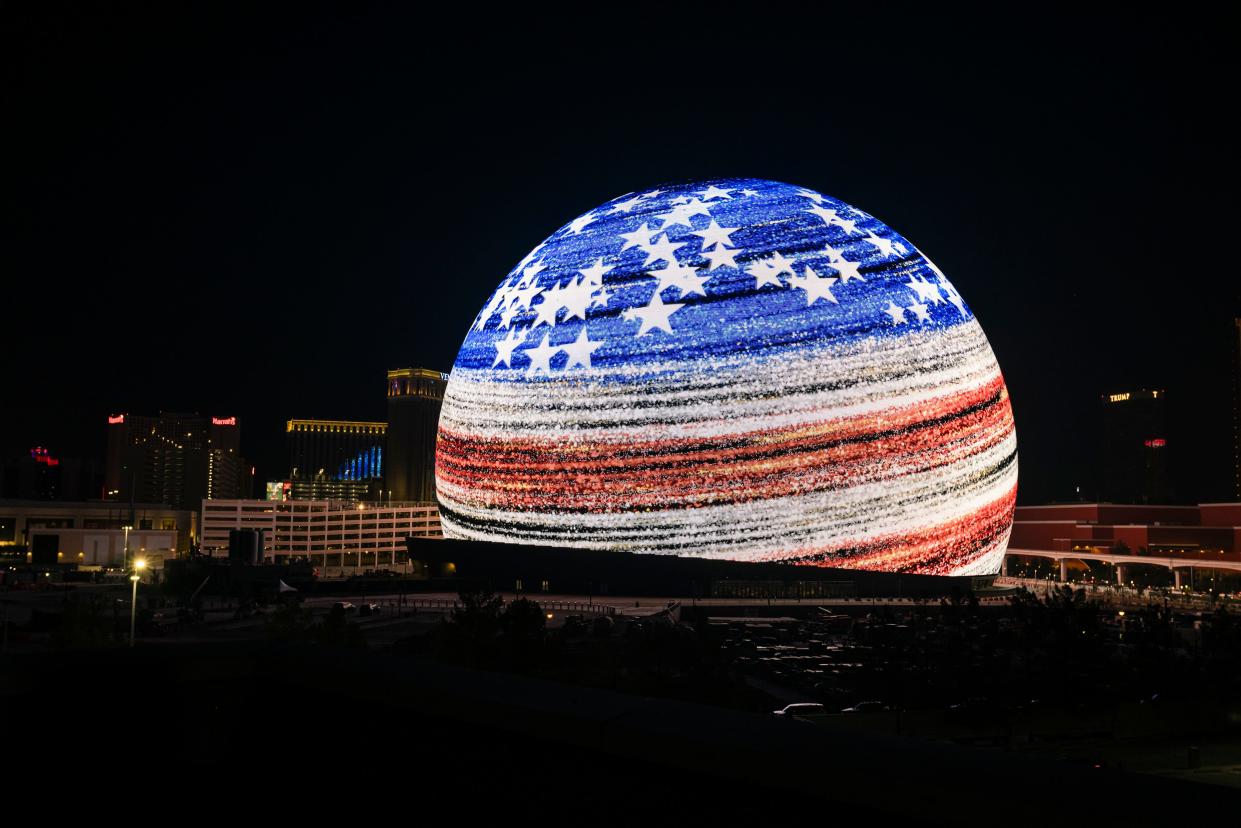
(752,397)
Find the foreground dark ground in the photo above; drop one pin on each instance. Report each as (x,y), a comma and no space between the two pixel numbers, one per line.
(495,709)
(301,731)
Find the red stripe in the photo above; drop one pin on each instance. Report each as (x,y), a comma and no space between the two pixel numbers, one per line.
(938,550)
(539,474)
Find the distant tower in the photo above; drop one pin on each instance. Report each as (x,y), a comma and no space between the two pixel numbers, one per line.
(1134,445)
(414,399)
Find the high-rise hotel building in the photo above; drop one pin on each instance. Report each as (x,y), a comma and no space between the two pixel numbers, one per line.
(1134,448)
(175,459)
(335,460)
(414,399)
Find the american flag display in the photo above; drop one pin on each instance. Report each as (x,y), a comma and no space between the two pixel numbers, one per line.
(738,369)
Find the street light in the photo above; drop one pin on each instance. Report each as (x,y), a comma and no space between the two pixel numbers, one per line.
(125,552)
(139,564)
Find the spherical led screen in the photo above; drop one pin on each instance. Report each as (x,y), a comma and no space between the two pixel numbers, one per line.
(737,369)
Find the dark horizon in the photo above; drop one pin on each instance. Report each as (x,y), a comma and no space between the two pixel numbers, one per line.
(256,216)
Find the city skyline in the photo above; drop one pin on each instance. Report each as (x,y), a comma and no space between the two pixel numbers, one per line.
(269,248)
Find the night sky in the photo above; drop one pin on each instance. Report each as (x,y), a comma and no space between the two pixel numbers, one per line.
(257,216)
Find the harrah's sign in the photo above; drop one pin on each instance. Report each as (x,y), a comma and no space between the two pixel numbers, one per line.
(227,421)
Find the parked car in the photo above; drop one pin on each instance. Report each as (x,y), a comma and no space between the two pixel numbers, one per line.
(369,609)
(867,707)
(792,711)
(343,608)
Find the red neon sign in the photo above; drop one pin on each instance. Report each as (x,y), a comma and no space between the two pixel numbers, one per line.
(118,419)
(1158,442)
(42,455)
(224,421)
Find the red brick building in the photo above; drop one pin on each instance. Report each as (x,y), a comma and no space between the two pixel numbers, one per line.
(1206,532)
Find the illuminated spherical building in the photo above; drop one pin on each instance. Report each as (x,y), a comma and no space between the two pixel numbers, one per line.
(736,369)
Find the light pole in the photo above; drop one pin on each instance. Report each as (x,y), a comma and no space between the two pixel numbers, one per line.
(133,601)
(125,552)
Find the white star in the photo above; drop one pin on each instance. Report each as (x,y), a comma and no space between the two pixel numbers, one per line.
(931,265)
(714,192)
(528,275)
(953,296)
(691,282)
(750,193)
(781,264)
(697,208)
(638,238)
(626,206)
(504,348)
(594,273)
(885,246)
(651,194)
(919,310)
(580,350)
(506,316)
(827,214)
(680,200)
(576,298)
(813,196)
(578,224)
(683,212)
(677,215)
(549,307)
(925,291)
(845,268)
(764,273)
(541,357)
(524,296)
(716,235)
(896,312)
(721,256)
(817,287)
(848,225)
(655,315)
(673,275)
(501,295)
(662,249)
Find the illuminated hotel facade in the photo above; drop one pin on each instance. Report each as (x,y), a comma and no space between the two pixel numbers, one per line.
(333,460)
(415,396)
(338,537)
(175,459)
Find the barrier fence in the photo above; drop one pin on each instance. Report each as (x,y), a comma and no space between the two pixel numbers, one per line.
(574,607)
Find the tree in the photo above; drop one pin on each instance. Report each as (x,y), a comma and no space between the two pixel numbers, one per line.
(523,620)
(470,633)
(478,615)
(523,623)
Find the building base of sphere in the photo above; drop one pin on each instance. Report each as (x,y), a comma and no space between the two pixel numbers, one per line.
(534,569)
